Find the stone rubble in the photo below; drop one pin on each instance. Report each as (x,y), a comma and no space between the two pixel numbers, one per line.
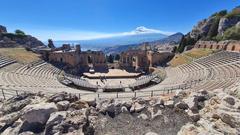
(203,112)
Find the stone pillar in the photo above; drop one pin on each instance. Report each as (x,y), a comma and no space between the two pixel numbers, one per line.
(78,48)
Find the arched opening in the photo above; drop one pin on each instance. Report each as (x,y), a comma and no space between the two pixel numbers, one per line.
(205,46)
(89,59)
(233,48)
(225,47)
(217,46)
(211,46)
(61,59)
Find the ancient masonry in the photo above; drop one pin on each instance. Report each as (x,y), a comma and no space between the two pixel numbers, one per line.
(77,58)
(228,45)
(142,59)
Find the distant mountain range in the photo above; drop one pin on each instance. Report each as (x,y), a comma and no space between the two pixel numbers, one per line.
(122,41)
(139,35)
(172,40)
(99,44)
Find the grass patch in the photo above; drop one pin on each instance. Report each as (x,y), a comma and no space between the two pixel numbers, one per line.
(19,54)
(189,56)
(179,60)
(198,53)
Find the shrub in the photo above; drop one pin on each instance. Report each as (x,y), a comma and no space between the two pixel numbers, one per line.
(232,33)
(220,13)
(213,30)
(186,41)
(235,12)
(19,32)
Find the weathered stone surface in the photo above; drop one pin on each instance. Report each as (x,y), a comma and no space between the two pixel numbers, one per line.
(169,103)
(50,44)
(79,105)
(3,29)
(151,133)
(228,119)
(143,116)
(202,28)
(63,96)
(27,133)
(8,120)
(52,125)
(16,103)
(35,116)
(229,100)
(137,107)
(217,113)
(14,129)
(156,102)
(124,109)
(226,23)
(62,105)
(182,105)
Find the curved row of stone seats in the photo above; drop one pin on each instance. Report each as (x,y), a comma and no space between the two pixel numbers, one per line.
(5,61)
(9,79)
(219,58)
(216,84)
(40,69)
(184,74)
(219,70)
(143,81)
(79,82)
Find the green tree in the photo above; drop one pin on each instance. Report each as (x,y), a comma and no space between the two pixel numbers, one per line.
(110,58)
(213,30)
(117,57)
(186,41)
(232,33)
(19,32)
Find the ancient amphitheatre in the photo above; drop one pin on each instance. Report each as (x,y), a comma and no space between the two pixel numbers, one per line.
(218,70)
(187,85)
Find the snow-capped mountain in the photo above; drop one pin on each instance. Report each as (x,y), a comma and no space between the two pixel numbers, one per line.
(139,35)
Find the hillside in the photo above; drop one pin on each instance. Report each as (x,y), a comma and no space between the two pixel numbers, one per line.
(171,40)
(136,36)
(223,25)
(189,56)
(17,39)
(19,54)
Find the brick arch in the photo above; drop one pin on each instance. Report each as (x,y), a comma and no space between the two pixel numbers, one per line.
(211,46)
(233,48)
(225,47)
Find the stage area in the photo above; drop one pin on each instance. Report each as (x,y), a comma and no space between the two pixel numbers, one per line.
(112,73)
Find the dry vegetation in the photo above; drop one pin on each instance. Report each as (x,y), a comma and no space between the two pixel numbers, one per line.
(198,53)
(19,54)
(189,56)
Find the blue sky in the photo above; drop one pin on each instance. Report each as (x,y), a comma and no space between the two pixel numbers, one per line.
(87,19)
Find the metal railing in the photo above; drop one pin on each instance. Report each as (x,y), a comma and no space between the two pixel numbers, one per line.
(8,93)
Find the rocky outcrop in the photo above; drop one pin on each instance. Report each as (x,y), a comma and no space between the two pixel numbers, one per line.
(63,113)
(3,29)
(203,112)
(226,23)
(219,114)
(14,40)
(220,26)
(202,28)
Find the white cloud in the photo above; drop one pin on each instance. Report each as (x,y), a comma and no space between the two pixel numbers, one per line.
(88,35)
